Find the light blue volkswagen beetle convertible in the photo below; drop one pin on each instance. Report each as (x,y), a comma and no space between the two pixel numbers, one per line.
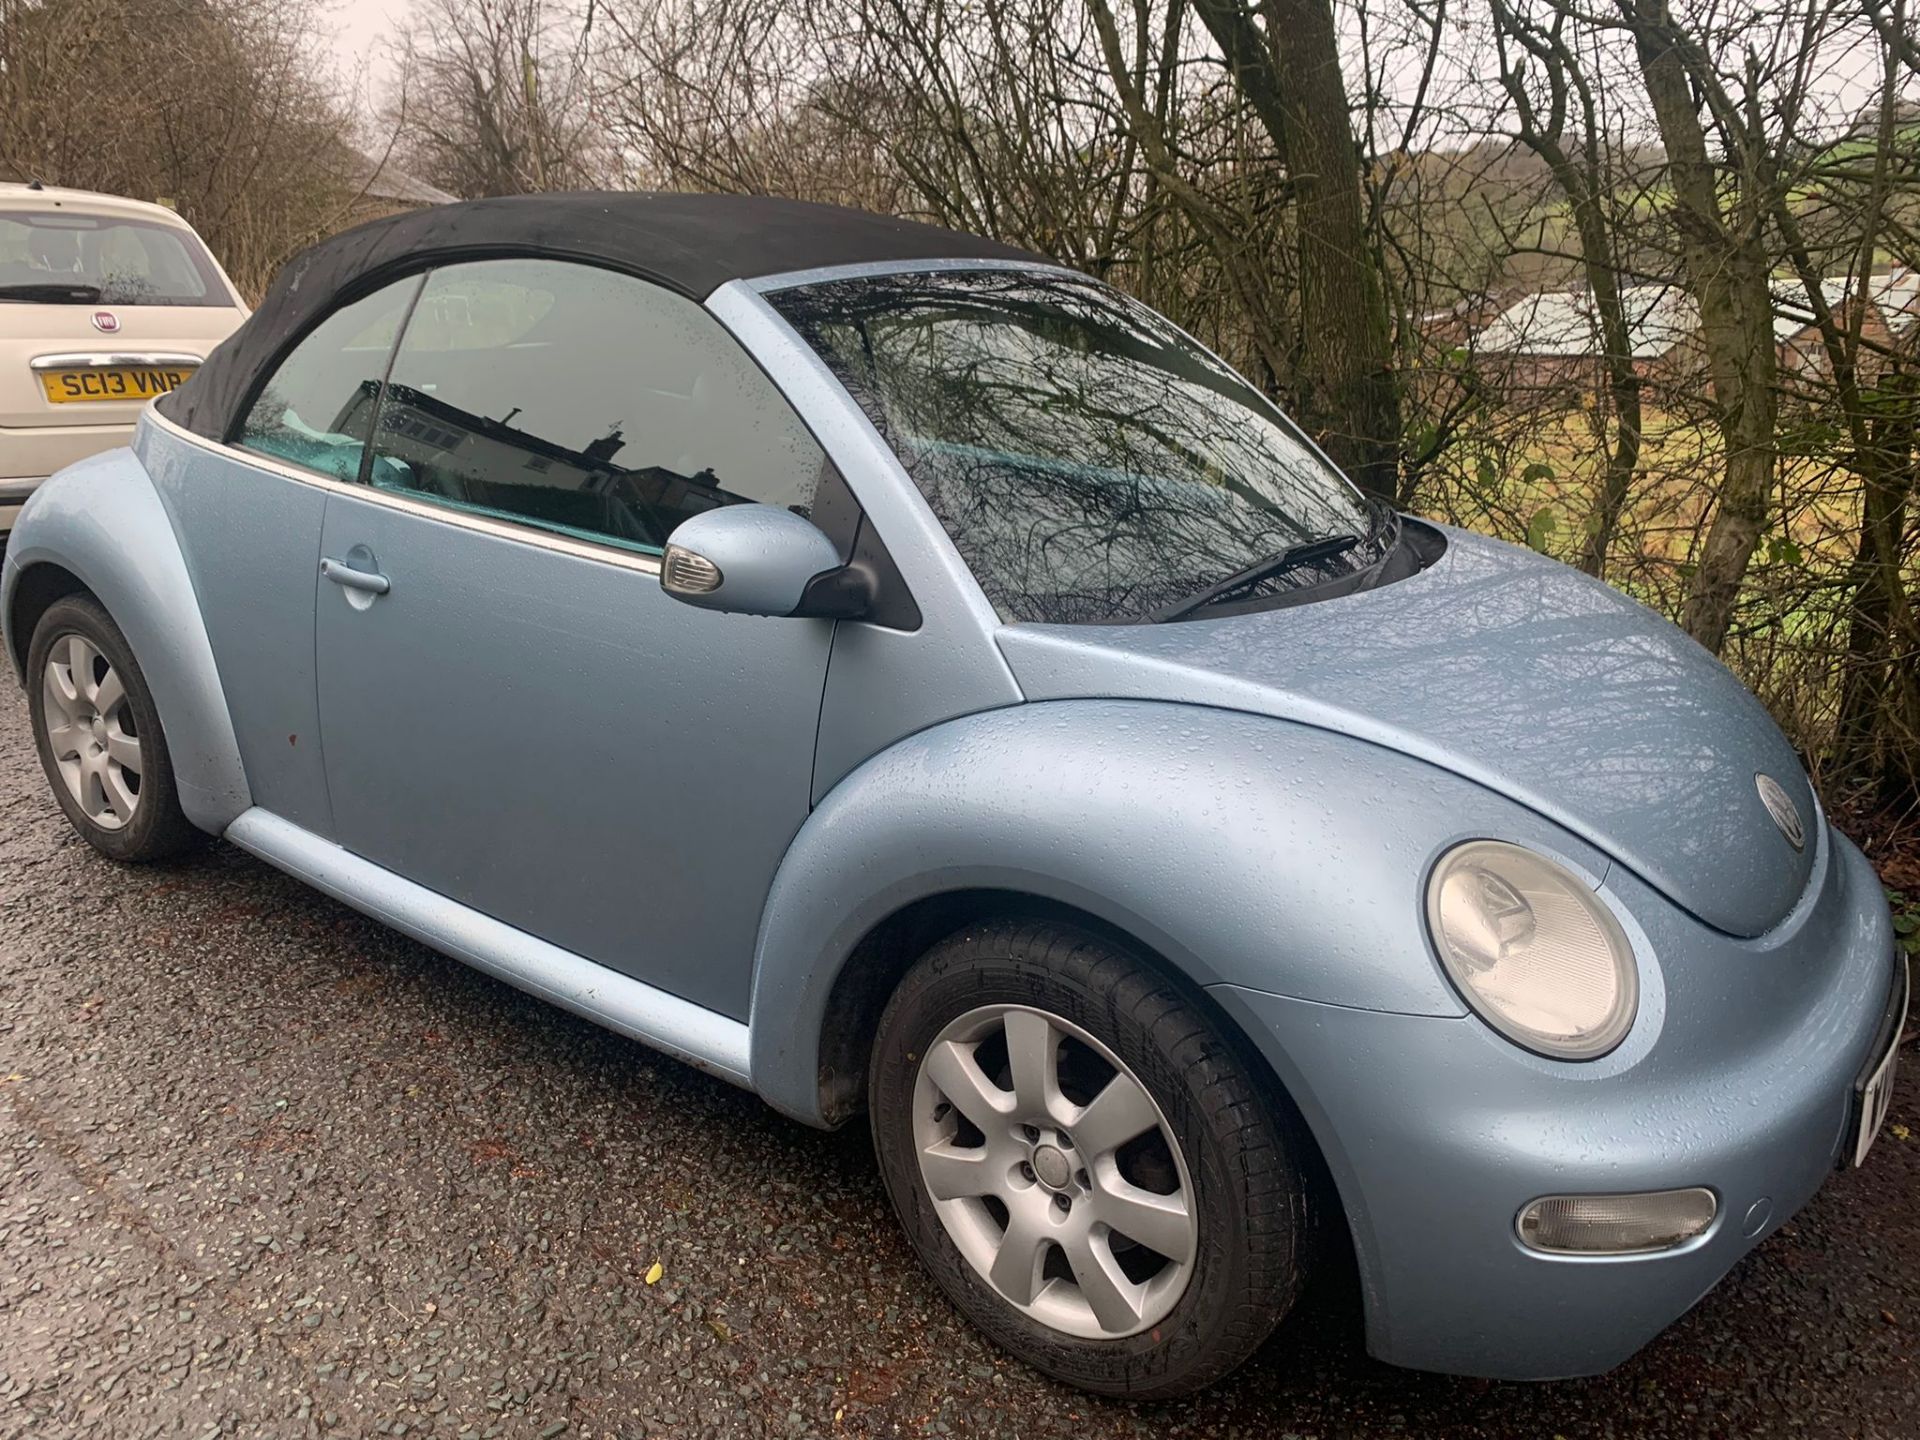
(894,673)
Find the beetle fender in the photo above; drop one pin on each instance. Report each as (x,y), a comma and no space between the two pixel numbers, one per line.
(102,521)
(1242,849)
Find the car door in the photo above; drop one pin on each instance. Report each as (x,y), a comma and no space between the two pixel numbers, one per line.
(513,713)
(249,518)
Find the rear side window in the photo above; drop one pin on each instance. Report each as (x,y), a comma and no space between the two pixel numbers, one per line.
(316,410)
(582,402)
(66,258)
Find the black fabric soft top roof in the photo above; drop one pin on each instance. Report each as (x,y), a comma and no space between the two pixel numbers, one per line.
(690,243)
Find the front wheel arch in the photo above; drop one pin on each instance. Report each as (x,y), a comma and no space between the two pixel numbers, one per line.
(890,947)
(884,955)
(1244,849)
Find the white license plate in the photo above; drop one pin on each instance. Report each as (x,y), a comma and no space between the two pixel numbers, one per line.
(1876,1098)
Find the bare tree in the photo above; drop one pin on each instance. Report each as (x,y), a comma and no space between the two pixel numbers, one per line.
(1868,381)
(1284,57)
(1556,110)
(494,98)
(215,107)
(1721,204)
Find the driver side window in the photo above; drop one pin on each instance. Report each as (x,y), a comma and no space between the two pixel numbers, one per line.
(583,402)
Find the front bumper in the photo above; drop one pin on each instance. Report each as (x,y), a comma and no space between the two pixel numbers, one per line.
(1740,1075)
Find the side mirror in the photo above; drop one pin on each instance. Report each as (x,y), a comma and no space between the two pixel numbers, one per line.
(761,560)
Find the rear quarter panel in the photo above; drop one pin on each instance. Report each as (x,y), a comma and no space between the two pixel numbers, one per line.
(102,522)
(250,539)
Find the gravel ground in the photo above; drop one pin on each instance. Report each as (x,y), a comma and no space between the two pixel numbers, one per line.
(267,1169)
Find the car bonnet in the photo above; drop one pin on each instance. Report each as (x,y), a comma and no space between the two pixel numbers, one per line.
(1520,674)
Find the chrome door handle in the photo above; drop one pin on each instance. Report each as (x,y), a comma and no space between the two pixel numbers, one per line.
(341,573)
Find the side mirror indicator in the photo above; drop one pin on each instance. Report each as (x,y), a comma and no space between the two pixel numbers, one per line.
(682,572)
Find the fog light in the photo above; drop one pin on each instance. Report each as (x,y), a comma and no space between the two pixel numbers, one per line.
(1616,1224)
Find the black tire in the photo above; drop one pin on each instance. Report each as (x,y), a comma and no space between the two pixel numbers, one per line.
(1250,1194)
(157,828)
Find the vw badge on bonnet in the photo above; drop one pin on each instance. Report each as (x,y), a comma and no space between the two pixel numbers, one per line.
(1786,815)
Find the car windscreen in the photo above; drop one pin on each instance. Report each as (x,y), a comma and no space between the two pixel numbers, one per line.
(1091,463)
(66,257)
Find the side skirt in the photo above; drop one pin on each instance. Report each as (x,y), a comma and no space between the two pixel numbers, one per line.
(689,1032)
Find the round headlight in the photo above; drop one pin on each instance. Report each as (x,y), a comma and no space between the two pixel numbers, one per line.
(1532,950)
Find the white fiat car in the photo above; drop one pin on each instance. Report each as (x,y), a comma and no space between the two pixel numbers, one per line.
(104,303)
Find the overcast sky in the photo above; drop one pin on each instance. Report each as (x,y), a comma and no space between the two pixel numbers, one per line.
(362,27)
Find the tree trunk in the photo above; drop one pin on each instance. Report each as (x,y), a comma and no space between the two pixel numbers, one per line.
(1744,493)
(1291,77)
(1586,180)
(1727,273)
(1623,463)
(1582,186)
(1878,731)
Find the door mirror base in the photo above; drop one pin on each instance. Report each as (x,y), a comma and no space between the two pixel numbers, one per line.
(843,593)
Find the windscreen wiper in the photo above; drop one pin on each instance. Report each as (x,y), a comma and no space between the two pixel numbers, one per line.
(1291,558)
(51,292)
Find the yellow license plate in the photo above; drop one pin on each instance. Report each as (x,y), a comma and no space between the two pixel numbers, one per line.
(103,382)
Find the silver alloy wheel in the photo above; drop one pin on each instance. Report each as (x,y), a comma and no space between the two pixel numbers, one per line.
(90,731)
(1019,1174)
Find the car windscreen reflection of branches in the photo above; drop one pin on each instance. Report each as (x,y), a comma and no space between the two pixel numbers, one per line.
(1088,461)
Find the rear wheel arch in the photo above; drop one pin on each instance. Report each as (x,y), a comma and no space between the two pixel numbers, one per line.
(100,528)
(40,584)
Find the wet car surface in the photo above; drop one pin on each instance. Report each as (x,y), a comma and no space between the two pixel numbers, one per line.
(271,1169)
